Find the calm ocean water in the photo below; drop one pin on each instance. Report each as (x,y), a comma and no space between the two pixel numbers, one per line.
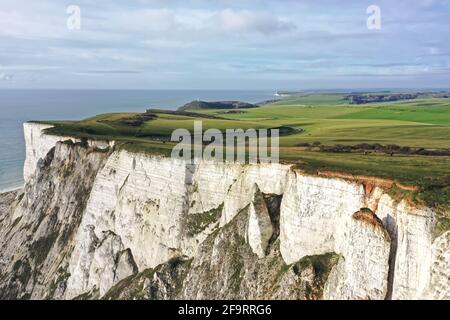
(19,106)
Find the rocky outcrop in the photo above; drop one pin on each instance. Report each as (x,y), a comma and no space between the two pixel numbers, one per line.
(96,222)
(320,215)
(260,228)
(411,232)
(225,267)
(38,144)
(362,273)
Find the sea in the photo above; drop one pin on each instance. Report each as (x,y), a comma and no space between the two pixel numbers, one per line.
(18,106)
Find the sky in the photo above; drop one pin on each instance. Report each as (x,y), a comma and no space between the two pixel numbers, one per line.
(224,44)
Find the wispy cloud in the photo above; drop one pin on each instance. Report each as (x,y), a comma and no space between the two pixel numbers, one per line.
(5,76)
(29,68)
(102,72)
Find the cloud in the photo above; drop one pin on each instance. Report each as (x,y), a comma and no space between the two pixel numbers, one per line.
(188,23)
(29,68)
(166,44)
(5,77)
(101,72)
(229,20)
(399,71)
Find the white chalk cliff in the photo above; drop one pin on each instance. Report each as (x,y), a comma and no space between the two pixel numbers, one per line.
(94,221)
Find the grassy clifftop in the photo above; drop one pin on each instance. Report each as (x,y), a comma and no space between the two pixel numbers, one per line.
(405,141)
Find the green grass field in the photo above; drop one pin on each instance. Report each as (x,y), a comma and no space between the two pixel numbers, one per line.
(327,119)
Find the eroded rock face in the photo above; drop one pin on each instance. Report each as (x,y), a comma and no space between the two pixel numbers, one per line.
(362,272)
(320,215)
(8,201)
(38,234)
(440,266)
(110,263)
(227,268)
(260,228)
(38,145)
(161,208)
(94,223)
(141,203)
(411,231)
(313,214)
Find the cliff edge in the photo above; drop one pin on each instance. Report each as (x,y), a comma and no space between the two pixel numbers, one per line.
(97,222)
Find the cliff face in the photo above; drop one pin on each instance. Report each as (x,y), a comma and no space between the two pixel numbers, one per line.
(38,231)
(93,222)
